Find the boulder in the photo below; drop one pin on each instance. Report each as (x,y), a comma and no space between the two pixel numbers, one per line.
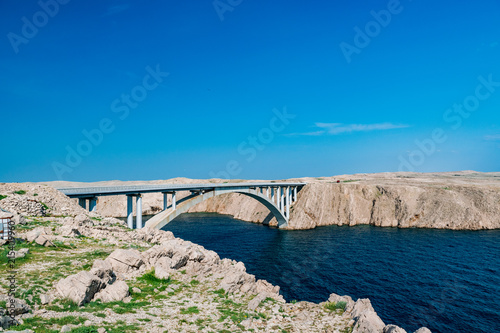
(103,270)
(334,298)
(83,220)
(163,268)
(264,286)
(154,236)
(30,236)
(423,330)
(68,230)
(125,261)
(179,260)
(15,306)
(65,329)
(210,258)
(45,299)
(368,322)
(196,254)
(235,277)
(393,329)
(44,240)
(80,287)
(365,318)
(18,254)
(255,302)
(113,293)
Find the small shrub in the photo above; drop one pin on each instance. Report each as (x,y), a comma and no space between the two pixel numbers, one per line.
(20,192)
(2,197)
(333,306)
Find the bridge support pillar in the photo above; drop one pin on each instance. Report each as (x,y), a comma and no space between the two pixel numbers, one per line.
(282,199)
(165,200)
(82,202)
(138,213)
(287,191)
(295,193)
(173,200)
(92,204)
(130,211)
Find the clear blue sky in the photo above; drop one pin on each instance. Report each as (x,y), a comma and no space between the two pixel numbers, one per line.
(361,102)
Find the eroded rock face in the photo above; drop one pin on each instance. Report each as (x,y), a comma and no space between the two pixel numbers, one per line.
(365,318)
(393,329)
(114,292)
(103,270)
(463,201)
(464,207)
(80,287)
(125,261)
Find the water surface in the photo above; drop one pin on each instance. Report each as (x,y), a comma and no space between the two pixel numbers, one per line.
(448,281)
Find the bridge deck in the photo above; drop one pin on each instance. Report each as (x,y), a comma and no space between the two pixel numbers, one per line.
(85,192)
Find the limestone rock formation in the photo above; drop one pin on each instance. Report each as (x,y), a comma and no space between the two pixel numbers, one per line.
(462,200)
(125,261)
(80,287)
(113,292)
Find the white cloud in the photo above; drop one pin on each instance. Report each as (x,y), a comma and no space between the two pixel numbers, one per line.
(495,137)
(339,128)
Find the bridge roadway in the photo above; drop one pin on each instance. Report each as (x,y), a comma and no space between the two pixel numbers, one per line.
(276,196)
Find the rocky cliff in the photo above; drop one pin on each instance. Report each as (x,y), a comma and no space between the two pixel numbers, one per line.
(462,200)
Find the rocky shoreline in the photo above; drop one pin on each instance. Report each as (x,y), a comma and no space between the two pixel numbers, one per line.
(82,272)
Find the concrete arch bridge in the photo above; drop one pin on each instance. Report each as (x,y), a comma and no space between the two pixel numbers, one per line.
(278,197)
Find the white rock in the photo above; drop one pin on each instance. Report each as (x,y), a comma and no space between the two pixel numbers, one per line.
(103,270)
(65,329)
(45,299)
(423,330)
(125,261)
(80,287)
(114,292)
(393,329)
(254,303)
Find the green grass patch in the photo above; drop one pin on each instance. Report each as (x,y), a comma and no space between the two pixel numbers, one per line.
(119,307)
(41,324)
(190,310)
(20,192)
(334,306)
(232,310)
(2,197)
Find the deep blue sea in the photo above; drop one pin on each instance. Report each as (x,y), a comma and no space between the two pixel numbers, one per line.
(448,281)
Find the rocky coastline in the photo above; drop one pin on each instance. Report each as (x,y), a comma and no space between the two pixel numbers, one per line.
(83,272)
(465,200)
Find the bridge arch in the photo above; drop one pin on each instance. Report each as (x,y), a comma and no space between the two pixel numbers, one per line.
(183,205)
